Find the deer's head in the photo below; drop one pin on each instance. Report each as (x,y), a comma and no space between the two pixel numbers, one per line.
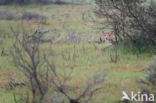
(108,35)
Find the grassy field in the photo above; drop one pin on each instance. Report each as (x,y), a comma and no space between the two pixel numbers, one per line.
(90,60)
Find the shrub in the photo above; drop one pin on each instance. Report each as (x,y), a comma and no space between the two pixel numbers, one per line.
(132,19)
(6,15)
(46,82)
(31,16)
(148,85)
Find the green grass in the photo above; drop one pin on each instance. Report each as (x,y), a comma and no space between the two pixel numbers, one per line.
(88,62)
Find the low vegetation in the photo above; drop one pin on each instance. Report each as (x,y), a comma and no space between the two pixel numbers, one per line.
(54,53)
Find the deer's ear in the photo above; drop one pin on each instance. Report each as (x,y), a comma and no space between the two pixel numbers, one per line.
(111,32)
(103,32)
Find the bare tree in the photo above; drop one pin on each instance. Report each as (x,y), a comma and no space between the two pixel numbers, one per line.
(42,74)
(31,66)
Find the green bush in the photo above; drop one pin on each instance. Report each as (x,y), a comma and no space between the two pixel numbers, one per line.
(131,20)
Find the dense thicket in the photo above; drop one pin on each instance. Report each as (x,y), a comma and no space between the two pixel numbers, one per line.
(134,20)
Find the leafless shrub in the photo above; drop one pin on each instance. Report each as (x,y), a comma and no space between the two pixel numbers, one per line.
(98,41)
(73,36)
(68,55)
(12,84)
(6,15)
(59,85)
(31,67)
(45,82)
(38,36)
(32,16)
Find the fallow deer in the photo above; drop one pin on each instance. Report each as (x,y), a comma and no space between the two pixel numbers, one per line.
(111,42)
(109,38)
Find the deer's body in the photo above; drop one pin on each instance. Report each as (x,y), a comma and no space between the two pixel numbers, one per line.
(109,38)
(111,42)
